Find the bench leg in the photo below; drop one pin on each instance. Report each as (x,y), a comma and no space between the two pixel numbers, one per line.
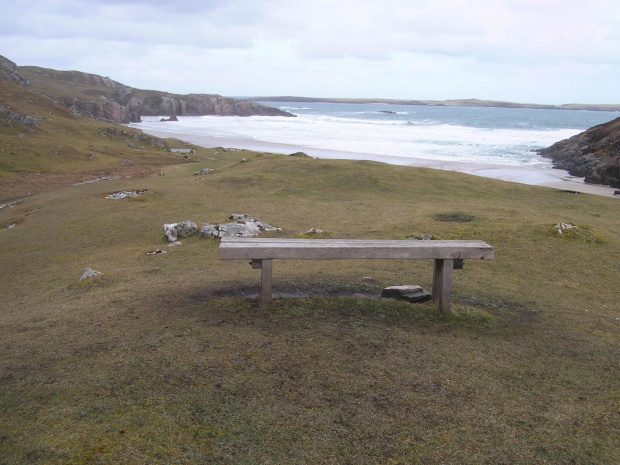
(266,280)
(442,284)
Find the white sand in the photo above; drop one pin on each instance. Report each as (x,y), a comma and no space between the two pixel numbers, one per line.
(549,177)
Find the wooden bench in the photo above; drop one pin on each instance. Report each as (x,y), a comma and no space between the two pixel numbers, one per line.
(448,255)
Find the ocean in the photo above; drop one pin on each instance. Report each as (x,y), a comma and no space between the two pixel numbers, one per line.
(398,134)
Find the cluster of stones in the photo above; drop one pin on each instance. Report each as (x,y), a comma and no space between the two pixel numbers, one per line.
(125,194)
(562,227)
(239,226)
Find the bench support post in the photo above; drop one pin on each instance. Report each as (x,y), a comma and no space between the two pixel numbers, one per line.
(442,284)
(266,280)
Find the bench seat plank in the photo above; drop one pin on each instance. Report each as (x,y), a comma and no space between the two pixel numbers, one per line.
(317,249)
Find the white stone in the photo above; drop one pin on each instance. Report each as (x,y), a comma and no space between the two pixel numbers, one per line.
(89,273)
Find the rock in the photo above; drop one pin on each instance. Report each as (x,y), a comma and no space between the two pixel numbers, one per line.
(209,231)
(593,154)
(172,118)
(311,232)
(240,226)
(156,142)
(183,229)
(155,252)
(89,273)
(561,228)
(246,229)
(124,194)
(130,144)
(7,117)
(105,178)
(203,171)
(9,72)
(408,293)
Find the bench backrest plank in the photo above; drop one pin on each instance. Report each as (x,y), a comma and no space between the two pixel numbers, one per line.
(312,249)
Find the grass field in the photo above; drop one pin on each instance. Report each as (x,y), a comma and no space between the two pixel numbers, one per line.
(169,358)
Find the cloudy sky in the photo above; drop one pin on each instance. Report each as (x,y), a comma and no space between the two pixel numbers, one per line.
(538,51)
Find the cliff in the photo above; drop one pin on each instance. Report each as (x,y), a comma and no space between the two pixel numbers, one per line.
(105,99)
(594,154)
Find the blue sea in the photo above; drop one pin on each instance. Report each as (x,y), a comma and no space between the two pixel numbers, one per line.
(398,133)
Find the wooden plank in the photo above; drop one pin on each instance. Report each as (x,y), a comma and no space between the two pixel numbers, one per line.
(266,280)
(442,284)
(437,270)
(310,249)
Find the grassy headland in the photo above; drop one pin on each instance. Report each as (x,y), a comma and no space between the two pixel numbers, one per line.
(169,358)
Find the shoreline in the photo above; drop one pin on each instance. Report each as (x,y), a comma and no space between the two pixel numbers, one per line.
(546,177)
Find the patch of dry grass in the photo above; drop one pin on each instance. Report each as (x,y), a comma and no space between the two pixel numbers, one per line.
(160,359)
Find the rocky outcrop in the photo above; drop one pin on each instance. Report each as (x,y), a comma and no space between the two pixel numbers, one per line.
(10,72)
(10,118)
(593,154)
(240,226)
(156,104)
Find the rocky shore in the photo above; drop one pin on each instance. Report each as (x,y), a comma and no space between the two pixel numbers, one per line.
(593,154)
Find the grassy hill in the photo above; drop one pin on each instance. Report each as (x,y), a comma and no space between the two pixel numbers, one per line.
(169,358)
(64,147)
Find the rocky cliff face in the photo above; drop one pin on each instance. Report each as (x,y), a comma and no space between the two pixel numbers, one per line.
(10,72)
(103,98)
(594,153)
(157,104)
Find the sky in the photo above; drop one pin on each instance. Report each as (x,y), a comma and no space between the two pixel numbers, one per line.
(527,51)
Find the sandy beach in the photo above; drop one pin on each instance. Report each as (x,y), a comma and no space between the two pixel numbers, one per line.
(548,177)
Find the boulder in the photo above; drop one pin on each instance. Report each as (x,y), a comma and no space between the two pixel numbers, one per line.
(183,229)
(203,171)
(407,293)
